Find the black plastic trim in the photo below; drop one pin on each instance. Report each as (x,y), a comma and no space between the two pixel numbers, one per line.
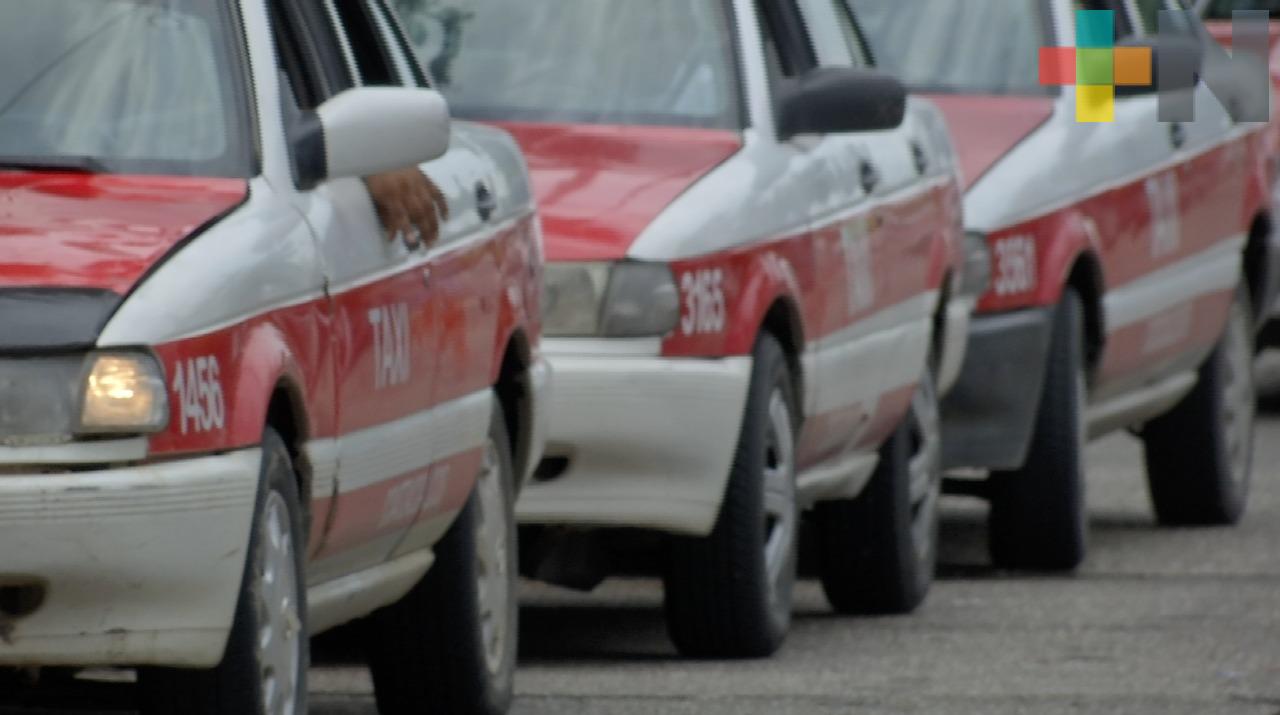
(50,320)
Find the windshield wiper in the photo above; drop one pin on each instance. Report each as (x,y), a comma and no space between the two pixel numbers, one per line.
(77,164)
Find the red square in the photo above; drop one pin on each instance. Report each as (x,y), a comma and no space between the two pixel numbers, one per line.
(1057,66)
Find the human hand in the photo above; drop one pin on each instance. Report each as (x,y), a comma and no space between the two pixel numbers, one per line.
(410,206)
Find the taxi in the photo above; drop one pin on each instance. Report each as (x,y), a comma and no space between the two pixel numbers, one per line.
(234,411)
(756,292)
(1218,20)
(1128,263)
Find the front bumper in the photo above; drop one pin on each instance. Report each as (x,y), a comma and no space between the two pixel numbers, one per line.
(988,419)
(648,442)
(138,566)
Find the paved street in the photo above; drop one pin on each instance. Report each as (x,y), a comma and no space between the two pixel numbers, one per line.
(1165,622)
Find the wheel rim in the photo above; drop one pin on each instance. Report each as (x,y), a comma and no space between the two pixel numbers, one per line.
(779,502)
(925,472)
(1238,408)
(493,584)
(280,623)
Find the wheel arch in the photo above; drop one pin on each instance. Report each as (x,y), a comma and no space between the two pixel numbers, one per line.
(1259,269)
(515,393)
(1085,277)
(782,320)
(287,415)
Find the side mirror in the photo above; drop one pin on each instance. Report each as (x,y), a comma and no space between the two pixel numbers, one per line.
(1176,64)
(369,130)
(837,100)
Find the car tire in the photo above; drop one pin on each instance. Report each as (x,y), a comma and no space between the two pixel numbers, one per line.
(1039,517)
(269,634)
(450,644)
(728,595)
(1200,454)
(878,552)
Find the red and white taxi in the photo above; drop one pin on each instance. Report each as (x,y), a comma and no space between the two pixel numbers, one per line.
(232,412)
(1219,15)
(1118,298)
(753,252)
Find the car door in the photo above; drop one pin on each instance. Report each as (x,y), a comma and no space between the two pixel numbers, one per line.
(385,324)
(466,289)
(1156,218)
(876,253)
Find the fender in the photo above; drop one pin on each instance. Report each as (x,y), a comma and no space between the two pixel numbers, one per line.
(266,361)
(220,387)
(519,305)
(1059,240)
(725,298)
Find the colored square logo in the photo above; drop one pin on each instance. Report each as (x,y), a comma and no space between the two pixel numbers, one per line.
(1095,104)
(1133,66)
(1095,29)
(1057,66)
(1095,67)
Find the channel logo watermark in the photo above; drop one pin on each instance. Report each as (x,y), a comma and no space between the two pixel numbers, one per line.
(1167,66)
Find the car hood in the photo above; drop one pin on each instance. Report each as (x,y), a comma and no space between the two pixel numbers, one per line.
(598,187)
(1221,31)
(98,232)
(986,127)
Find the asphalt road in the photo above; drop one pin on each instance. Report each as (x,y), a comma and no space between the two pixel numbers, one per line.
(1157,621)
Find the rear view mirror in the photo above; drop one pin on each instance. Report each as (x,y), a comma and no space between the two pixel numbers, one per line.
(369,130)
(1176,64)
(836,100)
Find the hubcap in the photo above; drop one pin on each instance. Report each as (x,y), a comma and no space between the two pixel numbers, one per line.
(279,624)
(779,503)
(493,583)
(1238,409)
(925,470)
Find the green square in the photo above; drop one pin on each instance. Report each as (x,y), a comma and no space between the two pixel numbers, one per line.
(1095,67)
(1095,28)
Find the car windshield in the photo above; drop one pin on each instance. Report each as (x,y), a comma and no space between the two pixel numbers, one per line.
(948,46)
(1222,9)
(666,62)
(121,86)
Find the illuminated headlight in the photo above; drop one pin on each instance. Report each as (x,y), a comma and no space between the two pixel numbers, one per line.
(123,392)
(977,265)
(615,300)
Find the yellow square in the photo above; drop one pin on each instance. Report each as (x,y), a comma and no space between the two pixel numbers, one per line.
(1095,104)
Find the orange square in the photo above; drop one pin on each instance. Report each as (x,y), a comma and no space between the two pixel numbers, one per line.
(1133,66)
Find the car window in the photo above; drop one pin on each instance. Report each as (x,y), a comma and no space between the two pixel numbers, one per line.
(359,26)
(970,47)
(1222,9)
(668,62)
(130,86)
(852,35)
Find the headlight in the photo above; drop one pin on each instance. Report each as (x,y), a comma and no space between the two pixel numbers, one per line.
(123,392)
(621,300)
(977,265)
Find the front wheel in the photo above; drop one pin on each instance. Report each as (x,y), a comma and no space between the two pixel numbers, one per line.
(729,594)
(1200,455)
(264,667)
(449,646)
(879,551)
(1039,518)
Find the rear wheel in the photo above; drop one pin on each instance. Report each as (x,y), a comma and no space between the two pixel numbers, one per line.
(1200,455)
(450,644)
(264,667)
(729,594)
(879,551)
(1038,513)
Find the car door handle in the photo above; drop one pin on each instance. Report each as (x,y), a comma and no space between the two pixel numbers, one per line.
(919,158)
(486,202)
(1177,135)
(868,176)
